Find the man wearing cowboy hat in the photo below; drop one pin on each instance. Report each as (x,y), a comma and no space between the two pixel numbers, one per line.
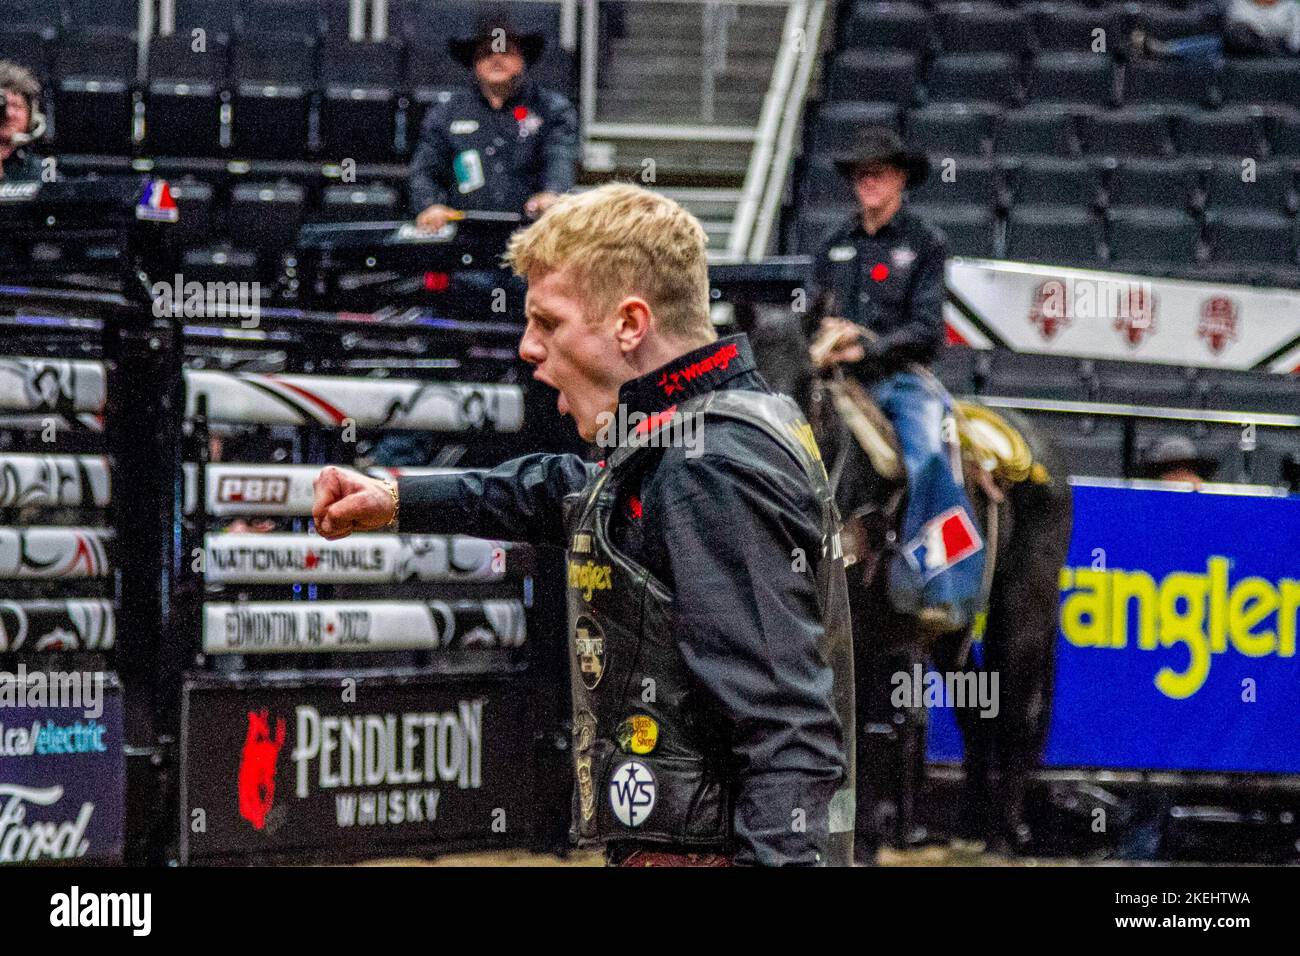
(503,144)
(878,295)
(1175,458)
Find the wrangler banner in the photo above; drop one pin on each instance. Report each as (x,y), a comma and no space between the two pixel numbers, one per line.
(335,762)
(1177,641)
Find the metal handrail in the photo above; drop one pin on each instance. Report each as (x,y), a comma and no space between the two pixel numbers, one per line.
(760,160)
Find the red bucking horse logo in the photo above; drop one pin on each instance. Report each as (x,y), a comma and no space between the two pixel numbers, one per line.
(257,768)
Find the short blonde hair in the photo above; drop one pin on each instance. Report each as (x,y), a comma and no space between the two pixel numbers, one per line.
(621,240)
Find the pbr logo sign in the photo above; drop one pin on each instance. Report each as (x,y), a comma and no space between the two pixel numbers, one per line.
(1218,324)
(62,780)
(1050,311)
(280,768)
(252,489)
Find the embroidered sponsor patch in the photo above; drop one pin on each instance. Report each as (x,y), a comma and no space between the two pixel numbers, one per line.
(639,734)
(632,793)
(943,542)
(589,649)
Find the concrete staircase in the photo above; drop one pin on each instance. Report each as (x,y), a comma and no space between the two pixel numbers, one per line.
(653,72)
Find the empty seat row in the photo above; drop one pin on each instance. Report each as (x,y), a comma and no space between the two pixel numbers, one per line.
(979,129)
(1125,238)
(1168,184)
(1094,79)
(974,27)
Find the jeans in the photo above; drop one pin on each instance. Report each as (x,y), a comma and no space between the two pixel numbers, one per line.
(940,562)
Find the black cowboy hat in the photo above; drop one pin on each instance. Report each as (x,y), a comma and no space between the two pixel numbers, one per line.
(880,144)
(1175,451)
(464,47)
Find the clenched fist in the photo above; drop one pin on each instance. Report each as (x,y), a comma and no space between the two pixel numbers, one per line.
(346,501)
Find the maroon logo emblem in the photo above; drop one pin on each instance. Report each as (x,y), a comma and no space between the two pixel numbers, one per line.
(1050,310)
(1136,318)
(1218,322)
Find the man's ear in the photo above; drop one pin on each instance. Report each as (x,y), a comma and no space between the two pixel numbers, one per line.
(632,322)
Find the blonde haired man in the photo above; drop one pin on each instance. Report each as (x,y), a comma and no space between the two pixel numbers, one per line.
(711,669)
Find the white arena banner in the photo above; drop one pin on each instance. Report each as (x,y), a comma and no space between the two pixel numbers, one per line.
(336,401)
(356,559)
(271,490)
(51,385)
(53,481)
(1111,315)
(279,627)
(72,625)
(54,552)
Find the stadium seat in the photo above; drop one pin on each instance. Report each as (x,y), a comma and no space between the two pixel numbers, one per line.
(822,185)
(981,77)
(40,13)
(1159,21)
(1068,235)
(951,129)
(1128,132)
(213,16)
(970,229)
(1264,80)
(967,27)
(1057,182)
(1036,131)
(117,14)
(1250,236)
(184,98)
(1284,133)
(358,107)
(1167,184)
(1223,133)
(358,203)
(93,106)
(274,73)
(960,179)
(903,26)
(265,216)
(1029,375)
(196,202)
(1098,454)
(1138,233)
(1241,185)
(28,45)
(219,264)
(1072,27)
(877,75)
(837,124)
(1083,78)
(301,17)
(815,225)
(1186,82)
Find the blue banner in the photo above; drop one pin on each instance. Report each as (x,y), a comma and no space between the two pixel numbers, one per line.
(1176,647)
(62,766)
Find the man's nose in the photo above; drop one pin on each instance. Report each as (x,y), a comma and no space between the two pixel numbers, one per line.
(530,348)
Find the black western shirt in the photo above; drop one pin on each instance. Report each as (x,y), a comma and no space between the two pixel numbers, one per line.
(471,156)
(723,529)
(891,283)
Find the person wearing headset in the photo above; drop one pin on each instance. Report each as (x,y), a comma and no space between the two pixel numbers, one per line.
(22,122)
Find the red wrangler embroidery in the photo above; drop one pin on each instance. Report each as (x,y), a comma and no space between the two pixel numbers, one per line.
(718,360)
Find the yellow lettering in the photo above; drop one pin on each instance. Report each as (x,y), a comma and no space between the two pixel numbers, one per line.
(1252,600)
(1218,605)
(1083,617)
(1184,627)
(1125,586)
(1286,617)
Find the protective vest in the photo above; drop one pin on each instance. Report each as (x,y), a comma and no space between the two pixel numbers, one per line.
(650,764)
